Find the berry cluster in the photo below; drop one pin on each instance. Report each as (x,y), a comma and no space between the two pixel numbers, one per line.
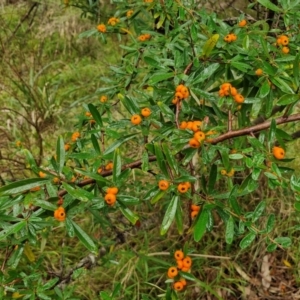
(144,37)
(181,93)
(226,89)
(231,37)
(137,119)
(228,174)
(75,136)
(184,264)
(111,196)
(195,210)
(283,41)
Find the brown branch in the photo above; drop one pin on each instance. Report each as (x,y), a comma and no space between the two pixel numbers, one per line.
(253,129)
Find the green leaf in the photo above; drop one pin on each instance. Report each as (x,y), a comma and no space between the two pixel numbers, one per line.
(119,142)
(128,200)
(60,154)
(288,99)
(234,204)
(271,247)
(272,132)
(12,229)
(297,206)
(95,144)
(179,219)
(160,159)
(236,156)
(268,4)
(129,215)
(241,66)
(96,115)
(157,77)
(264,89)
(170,158)
(92,175)
(169,215)
(295,183)
(69,227)
(45,205)
(212,178)
(21,186)
(130,104)
(247,240)
(260,208)
(78,193)
(105,296)
(200,226)
(210,45)
(285,242)
(157,196)
(30,159)
(206,73)
(117,166)
(15,258)
(267,54)
(84,238)
(270,223)
(225,158)
(229,233)
(296,69)
(282,85)
(145,161)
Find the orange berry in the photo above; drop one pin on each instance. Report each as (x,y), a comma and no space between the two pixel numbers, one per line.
(179,87)
(230,173)
(233,91)
(172,272)
(182,188)
(259,72)
(88,114)
(185,92)
(199,136)
(110,199)
(109,166)
(112,190)
(185,269)
(221,93)
(163,185)
(195,207)
(179,264)
(225,85)
(194,214)
(190,125)
(136,119)
(142,38)
(278,153)
(223,172)
(233,37)
(285,50)
(55,180)
(129,13)
(211,132)
(242,23)
(75,136)
(178,96)
(175,101)
(35,189)
(284,40)
(239,98)
(113,21)
(178,286)
(18,143)
(194,143)
(60,214)
(187,262)
(188,184)
(183,281)
(67,147)
(146,112)
(42,174)
(103,99)
(228,38)
(99,170)
(101,28)
(179,255)
(183,125)
(196,125)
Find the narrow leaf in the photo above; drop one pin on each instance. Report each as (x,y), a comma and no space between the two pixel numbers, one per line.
(229,233)
(247,240)
(129,215)
(60,154)
(117,166)
(119,142)
(200,226)
(95,113)
(95,144)
(169,215)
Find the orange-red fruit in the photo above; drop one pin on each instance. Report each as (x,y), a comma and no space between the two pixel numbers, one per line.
(110,199)
(194,213)
(146,112)
(194,143)
(187,262)
(60,214)
(42,174)
(195,207)
(285,50)
(178,286)
(278,153)
(183,125)
(239,98)
(179,255)
(242,23)
(179,264)
(183,281)
(112,190)
(172,272)
(182,188)
(199,136)
(136,119)
(67,147)
(196,125)
(163,185)
(259,72)
(109,166)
